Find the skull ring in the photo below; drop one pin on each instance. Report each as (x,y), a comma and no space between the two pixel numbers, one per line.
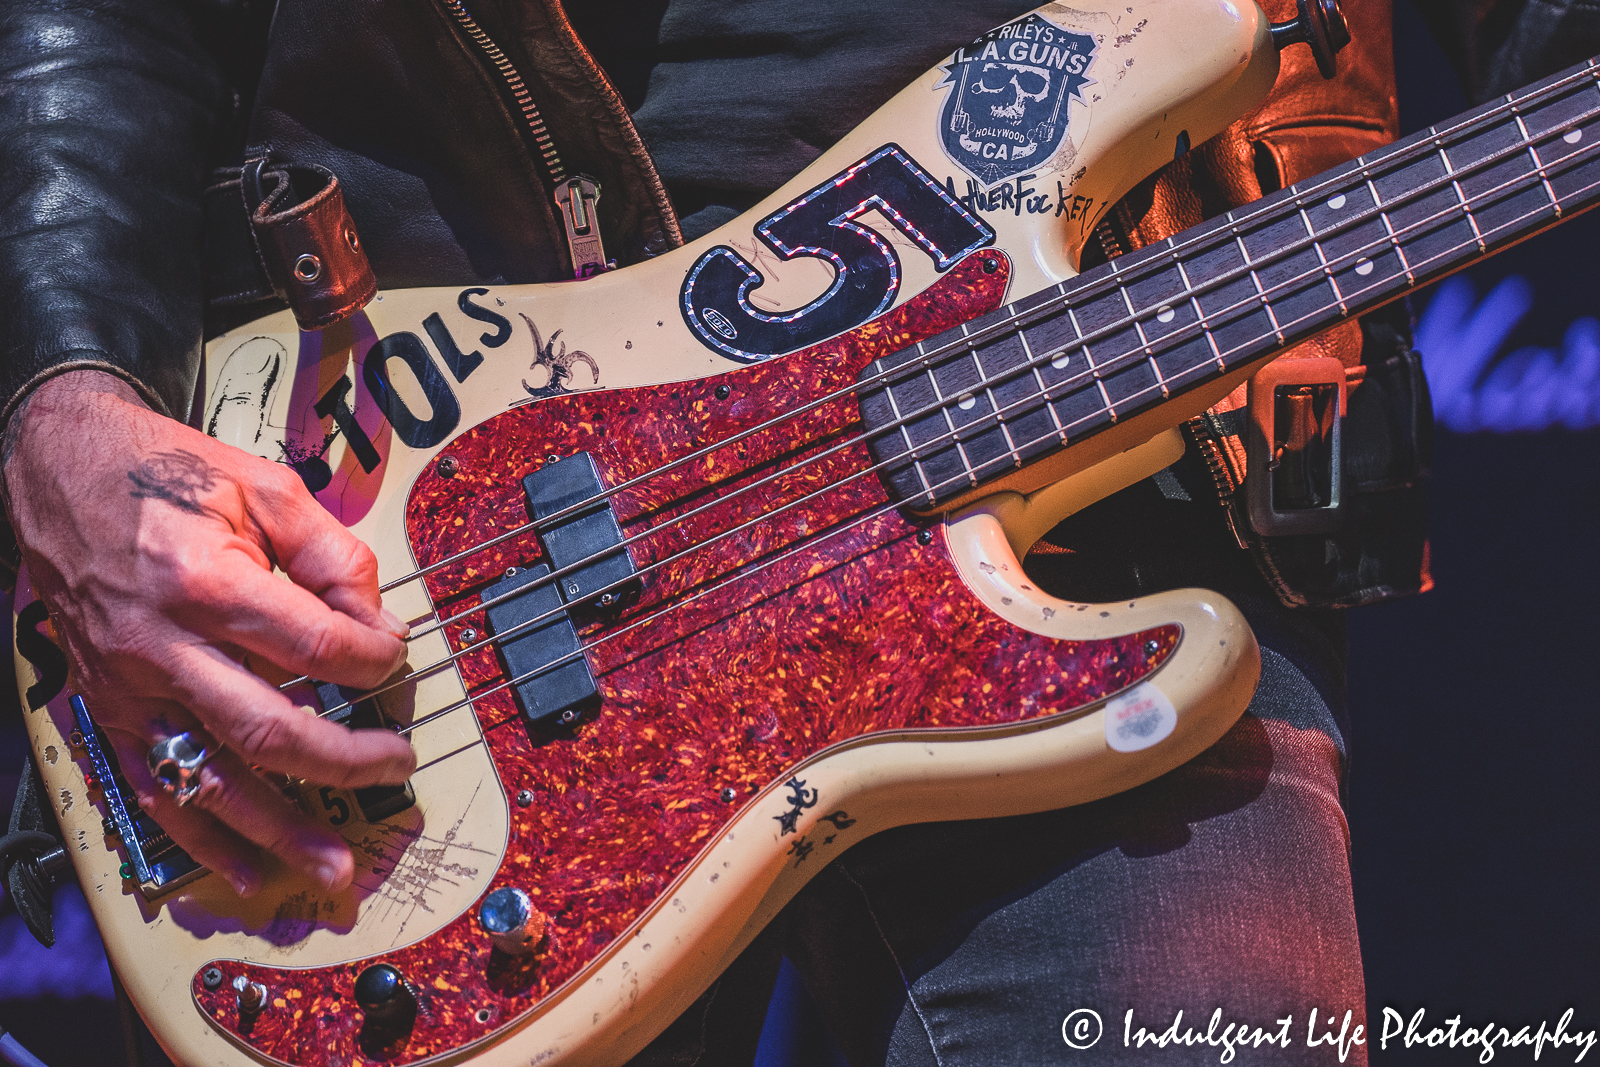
(175,762)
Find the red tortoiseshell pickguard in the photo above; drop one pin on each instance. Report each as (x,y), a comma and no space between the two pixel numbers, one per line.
(837,622)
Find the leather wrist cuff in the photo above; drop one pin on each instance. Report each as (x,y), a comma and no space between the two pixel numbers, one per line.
(283,230)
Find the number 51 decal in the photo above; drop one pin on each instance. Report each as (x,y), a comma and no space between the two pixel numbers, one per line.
(822,223)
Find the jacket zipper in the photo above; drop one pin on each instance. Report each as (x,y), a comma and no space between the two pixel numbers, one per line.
(575,196)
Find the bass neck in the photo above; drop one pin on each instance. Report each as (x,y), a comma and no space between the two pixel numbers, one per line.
(968,407)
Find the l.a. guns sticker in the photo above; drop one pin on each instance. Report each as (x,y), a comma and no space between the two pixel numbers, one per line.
(1007,109)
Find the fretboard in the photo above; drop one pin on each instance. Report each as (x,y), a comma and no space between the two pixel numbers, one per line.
(1001,391)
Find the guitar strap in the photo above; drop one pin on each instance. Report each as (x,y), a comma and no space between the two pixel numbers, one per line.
(1373,547)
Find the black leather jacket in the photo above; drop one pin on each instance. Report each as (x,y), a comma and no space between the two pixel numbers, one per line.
(113,113)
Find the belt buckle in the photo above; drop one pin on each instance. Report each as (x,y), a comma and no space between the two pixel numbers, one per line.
(1293,481)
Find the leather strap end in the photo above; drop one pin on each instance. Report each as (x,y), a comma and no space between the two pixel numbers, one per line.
(308,244)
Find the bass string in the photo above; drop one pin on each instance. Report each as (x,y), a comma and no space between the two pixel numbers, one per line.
(1162,344)
(809,543)
(952,436)
(1117,276)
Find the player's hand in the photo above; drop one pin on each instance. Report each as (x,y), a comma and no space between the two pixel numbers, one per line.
(153,546)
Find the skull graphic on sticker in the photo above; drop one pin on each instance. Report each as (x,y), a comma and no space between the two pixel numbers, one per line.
(1007,109)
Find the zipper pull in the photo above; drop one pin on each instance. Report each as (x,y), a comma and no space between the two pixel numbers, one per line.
(577,197)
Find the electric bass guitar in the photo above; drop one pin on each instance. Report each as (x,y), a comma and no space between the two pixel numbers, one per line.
(712,562)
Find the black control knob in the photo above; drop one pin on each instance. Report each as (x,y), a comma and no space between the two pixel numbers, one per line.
(1322,26)
(385,996)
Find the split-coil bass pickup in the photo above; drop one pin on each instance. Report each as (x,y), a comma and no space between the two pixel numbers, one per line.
(346,707)
(593,573)
(580,531)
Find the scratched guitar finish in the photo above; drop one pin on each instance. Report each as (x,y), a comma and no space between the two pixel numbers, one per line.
(705,699)
(825,434)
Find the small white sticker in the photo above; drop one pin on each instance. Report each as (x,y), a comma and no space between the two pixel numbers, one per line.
(1139,718)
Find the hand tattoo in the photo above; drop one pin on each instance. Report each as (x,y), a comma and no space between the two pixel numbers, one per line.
(177,477)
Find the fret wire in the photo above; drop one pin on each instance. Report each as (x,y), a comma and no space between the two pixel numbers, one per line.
(1044,390)
(1133,316)
(1509,224)
(1127,302)
(1261,290)
(874,467)
(1094,367)
(949,420)
(1322,257)
(1005,427)
(1077,332)
(1405,265)
(1466,209)
(1104,396)
(1538,164)
(944,404)
(1572,159)
(1034,358)
(1144,342)
(1161,379)
(1199,312)
(1247,346)
(905,431)
(1397,159)
(994,404)
(1241,305)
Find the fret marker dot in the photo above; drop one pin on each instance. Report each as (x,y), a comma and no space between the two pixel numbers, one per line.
(1572,136)
(1336,202)
(966,402)
(1363,266)
(1060,362)
(1165,314)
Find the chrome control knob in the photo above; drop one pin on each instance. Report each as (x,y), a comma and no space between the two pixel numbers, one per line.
(252,995)
(509,918)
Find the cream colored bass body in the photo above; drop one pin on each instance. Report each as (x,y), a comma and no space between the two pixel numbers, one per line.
(678,870)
